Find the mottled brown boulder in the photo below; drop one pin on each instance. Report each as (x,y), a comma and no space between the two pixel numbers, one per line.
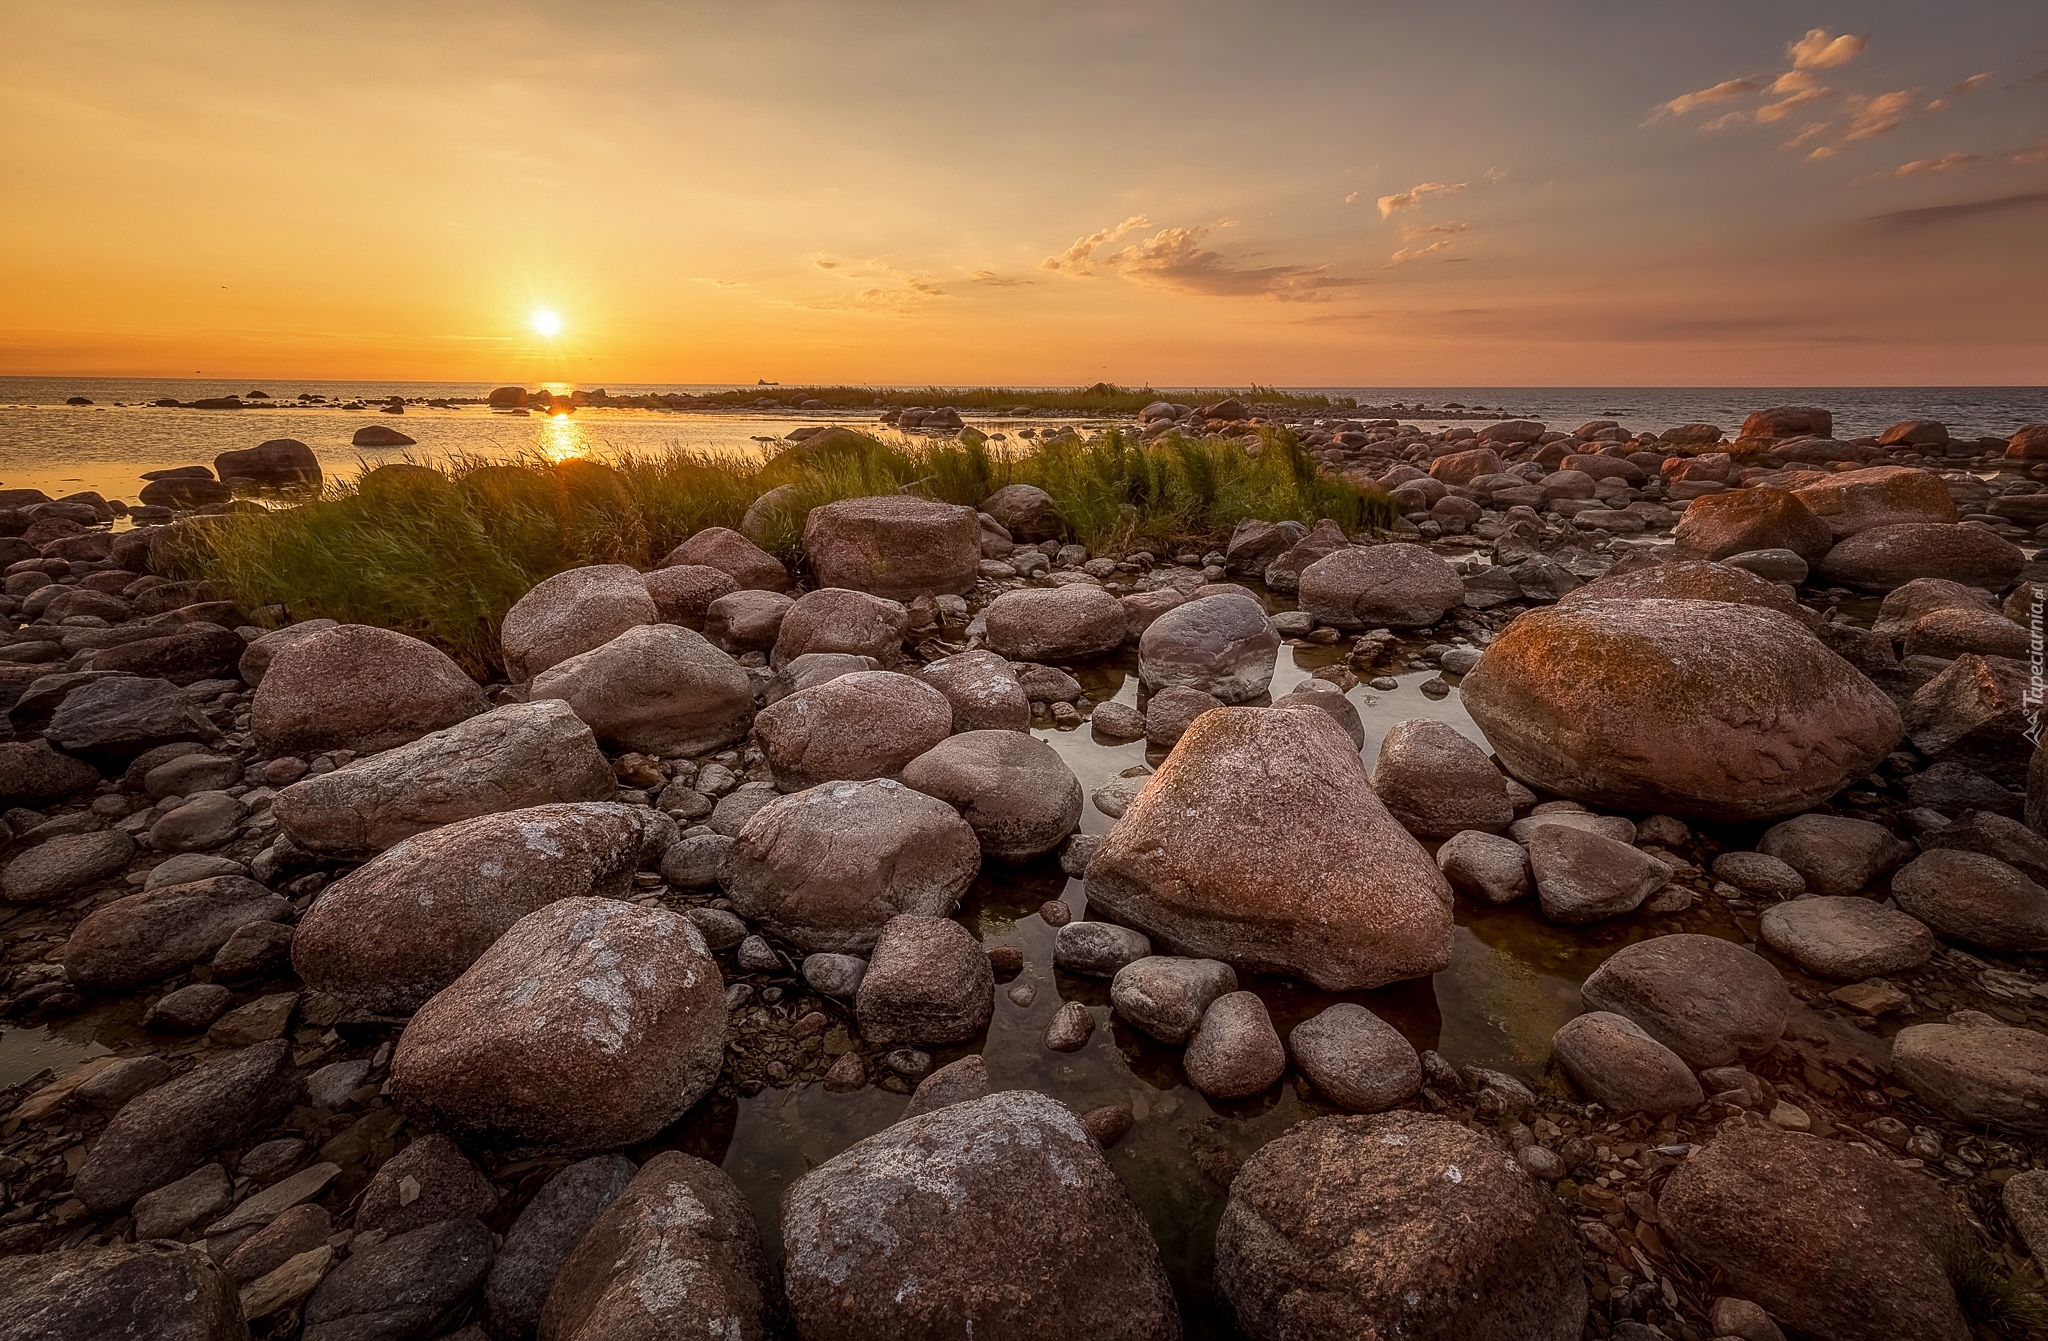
(1915,433)
(896,546)
(160,1290)
(1692,580)
(1222,645)
(258,655)
(1687,708)
(1833,1240)
(929,981)
(1056,624)
(1976,713)
(1790,421)
(657,689)
(429,1181)
(1907,605)
(590,1025)
(281,463)
(746,621)
(1978,1071)
(543,1236)
(354,687)
(391,933)
(1465,467)
(1614,1063)
(151,935)
(1395,586)
(1025,511)
(1396,1225)
(1710,1001)
(523,754)
(31,773)
(1013,789)
(1260,843)
(572,612)
(837,619)
(199,651)
(683,594)
(676,1255)
(746,563)
(997,1217)
(163,1133)
(985,693)
(1849,938)
(1975,899)
(1717,525)
(1436,782)
(2028,443)
(1885,557)
(1954,632)
(865,725)
(1857,500)
(825,869)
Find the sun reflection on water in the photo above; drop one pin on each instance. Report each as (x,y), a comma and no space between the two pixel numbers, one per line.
(562,439)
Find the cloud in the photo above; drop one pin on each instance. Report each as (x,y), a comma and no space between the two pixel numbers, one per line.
(1932,215)
(1721,92)
(996,281)
(2033,153)
(1818,51)
(1079,259)
(884,288)
(1808,133)
(1723,122)
(1351,199)
(1177,259)
(1825,151)
(1439,237)
(1407,254)
(1413,197)
(1496,174)
(1972,84)
(1778,111)
(1794,81)
(1879,115)
(1922,167)
(1449,228)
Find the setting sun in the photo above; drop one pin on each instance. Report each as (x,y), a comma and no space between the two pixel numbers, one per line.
(547,322)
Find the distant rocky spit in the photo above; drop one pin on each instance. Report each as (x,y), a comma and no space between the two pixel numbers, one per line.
(428,964)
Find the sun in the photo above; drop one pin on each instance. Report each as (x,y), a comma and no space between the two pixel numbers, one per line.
(547,322)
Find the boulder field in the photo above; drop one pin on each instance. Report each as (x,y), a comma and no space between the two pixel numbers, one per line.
(1502,925)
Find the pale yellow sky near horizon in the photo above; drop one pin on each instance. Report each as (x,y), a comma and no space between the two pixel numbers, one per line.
(1294,193)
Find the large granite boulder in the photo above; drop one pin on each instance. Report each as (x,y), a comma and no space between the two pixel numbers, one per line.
(1833,1240)
(398,1288)
(1975,899)
(1978,1070)
(1222,645)
(928,982)
(684,594)
(572,612)
(150,935)
(1614,1063)
(1260,842)
(825,869)
(160,1290)
(746,563)
(676,1255)
(1688,708)
(1834,854)
(1013,789)
(1026,512)
(1885,557)
(1396,1225)
(1395,586)
(1849,938)
(523,754)
(163,1133)
(1710,1001)
(123,715)
(658,689)
(281,463)
(1977,713)
(1857,500)
(31,773)
(1056,624)
(1692,580)
(1437,783)
(746,620)
(391,933)
(590,1025)
(542,1238)
(896,546)
(1740,521)
(865,725)
(985,693)
(355,687)
(997,1217)
(837,619)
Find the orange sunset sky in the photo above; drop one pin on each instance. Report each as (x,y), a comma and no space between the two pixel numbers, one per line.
(1293,193)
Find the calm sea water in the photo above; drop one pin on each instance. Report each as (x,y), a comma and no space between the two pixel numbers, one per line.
(46,444)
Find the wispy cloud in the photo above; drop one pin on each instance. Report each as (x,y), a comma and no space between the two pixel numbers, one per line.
(1962,90)
(1079,259)
(1879,115)
(1351,199)
(2033,153)
(1177,259)
(1413,197)
(1784,107)
(1721,92)
(1808,133)
(1924,167)
(1818,51)
(996,281)
(1723,122)
(879,287)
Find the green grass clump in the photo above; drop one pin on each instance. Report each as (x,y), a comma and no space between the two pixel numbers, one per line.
(2000,1299)
(442,551)
(1102,398)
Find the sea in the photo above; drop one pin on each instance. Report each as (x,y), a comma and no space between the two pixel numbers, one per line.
(106,446)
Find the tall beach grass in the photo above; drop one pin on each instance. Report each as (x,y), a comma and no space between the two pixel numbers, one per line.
(442,550)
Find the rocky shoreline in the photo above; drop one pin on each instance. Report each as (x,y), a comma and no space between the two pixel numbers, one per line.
(422,969)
